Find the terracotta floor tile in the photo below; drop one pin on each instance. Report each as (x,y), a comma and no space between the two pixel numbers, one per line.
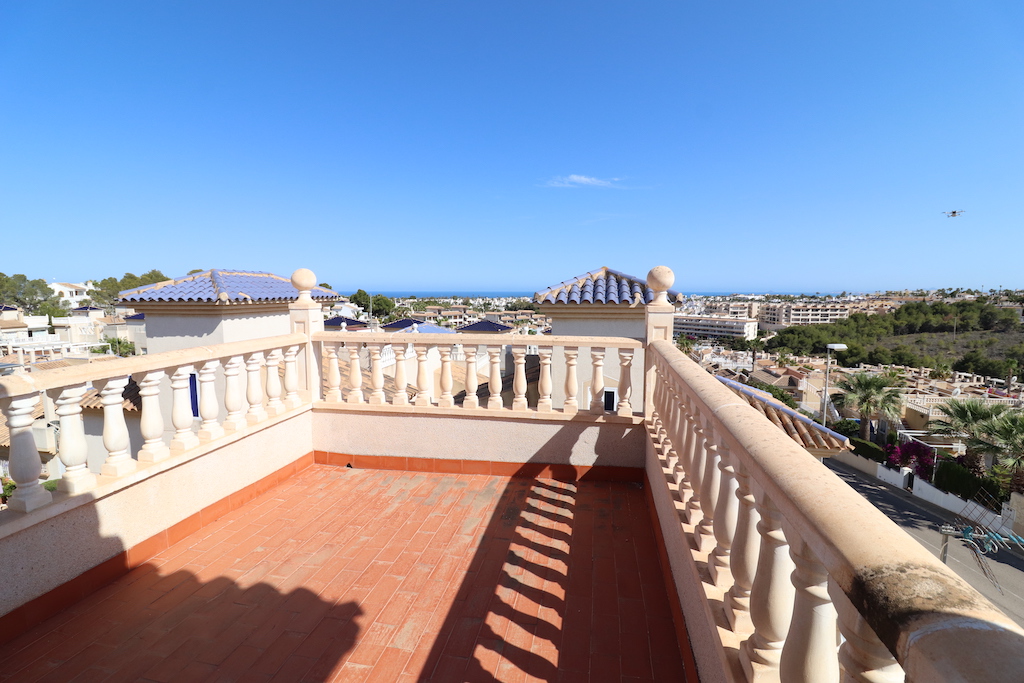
(344,574)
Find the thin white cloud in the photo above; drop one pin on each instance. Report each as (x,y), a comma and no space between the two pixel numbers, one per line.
(575,180)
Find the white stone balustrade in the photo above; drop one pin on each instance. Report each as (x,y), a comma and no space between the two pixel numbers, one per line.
(792,549)
(531,372)
(162,435)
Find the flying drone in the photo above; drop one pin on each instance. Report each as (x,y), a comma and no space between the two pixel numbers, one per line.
(955,213)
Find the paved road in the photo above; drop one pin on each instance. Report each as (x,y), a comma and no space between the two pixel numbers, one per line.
(922,520)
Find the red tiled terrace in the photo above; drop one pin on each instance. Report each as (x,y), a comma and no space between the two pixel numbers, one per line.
(373,575)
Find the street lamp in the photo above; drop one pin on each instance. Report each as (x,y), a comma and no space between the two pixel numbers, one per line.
(828,364)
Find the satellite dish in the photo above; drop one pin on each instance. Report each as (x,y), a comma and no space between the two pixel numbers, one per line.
(956,391)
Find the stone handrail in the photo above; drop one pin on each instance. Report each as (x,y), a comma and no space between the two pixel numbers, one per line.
(252,387)
(350,389)
(767,509)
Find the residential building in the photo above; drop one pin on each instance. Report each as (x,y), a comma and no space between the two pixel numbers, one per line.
(714,326)
(733,309)
(779,315)
(72,294)
(313,524)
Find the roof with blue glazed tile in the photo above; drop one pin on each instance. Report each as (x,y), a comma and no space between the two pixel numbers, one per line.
(135,316)
(485,326)
(224,285)
(87,308)
(8,308)
(337,321)
(601,286)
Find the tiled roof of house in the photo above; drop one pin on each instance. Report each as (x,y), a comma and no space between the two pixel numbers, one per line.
(223,285)
(484,326)
(5,307)
(88,308)
(803,430)
(350,323)
(5,432)
(602,286)
(12,325)
(135,316)
(130,398)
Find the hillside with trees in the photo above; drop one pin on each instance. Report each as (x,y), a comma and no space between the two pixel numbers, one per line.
(969,336)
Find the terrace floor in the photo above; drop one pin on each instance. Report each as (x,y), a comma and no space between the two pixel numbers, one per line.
(342,574)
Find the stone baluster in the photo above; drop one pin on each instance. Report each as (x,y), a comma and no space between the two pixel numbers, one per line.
(209,405)
(862,656)
(377,397)
(234,421)
(423,380)
(291,378)
(519,378)
(743,559)
(771,597)
(72,448)
(275,406)
(544,404)
(494,401)
(809,655)
(597,381)
(115,432)
(151,424)
(181,410)
(726,519)
(625,382)
(355,374)
(445,400)
(401,397)
(571,407)
(333,394)
(710,482)
(471,401)
(697,459)
(254,389)
(25,465)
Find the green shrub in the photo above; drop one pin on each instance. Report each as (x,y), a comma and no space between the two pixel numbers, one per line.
(777,392)
(846,427)
(51,485)
(958,480)
(9,487)
(866,449)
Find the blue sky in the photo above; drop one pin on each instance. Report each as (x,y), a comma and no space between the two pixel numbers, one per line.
(750,146)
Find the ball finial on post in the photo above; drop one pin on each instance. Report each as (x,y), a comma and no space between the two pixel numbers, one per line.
(660,279)
(304,280)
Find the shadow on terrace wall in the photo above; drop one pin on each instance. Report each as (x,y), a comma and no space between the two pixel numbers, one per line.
(205,606)
(565,584)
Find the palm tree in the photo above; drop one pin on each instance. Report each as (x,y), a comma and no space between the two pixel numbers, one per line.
(1006,432)
(755,346)
(973,418)
(869,395)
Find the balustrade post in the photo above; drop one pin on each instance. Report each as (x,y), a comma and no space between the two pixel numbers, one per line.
(423,383)
(72,447)
(234,421)
(709,485)
(472,384)
(291,378)
(519,378)
(697,461)
(115,432)
(571,407)
(625,382)
(544,404)
(771,597)
(446,400)
(743,560)
(25,465)
(809,655)
(597,381)
(274,404)
(494,401)
(862,656)
(401,397)
(377,397)
(726,518)
(151,424)
(181,410)
(254,389)
(355,374)
(333,394)
(209,404)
